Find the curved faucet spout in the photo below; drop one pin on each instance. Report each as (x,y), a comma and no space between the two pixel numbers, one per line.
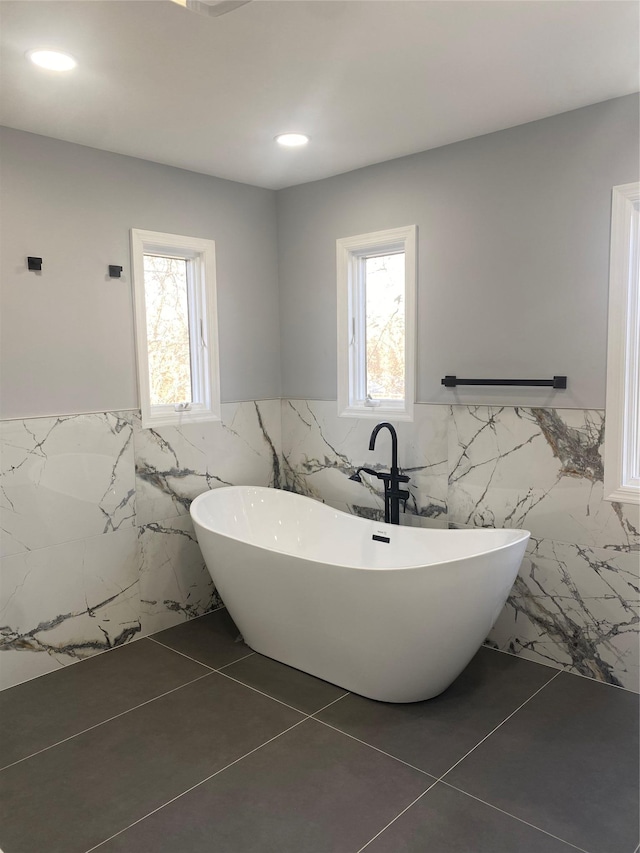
(394,441)
(393,494)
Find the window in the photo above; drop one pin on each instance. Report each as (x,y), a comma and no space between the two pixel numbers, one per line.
(622,431)
(376,324)
(176,328)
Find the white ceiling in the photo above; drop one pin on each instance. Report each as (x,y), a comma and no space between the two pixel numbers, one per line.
(369,80)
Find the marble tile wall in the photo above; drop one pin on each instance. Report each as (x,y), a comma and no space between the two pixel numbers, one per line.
(98,546)
(64,479)
(320,451)
(173,466)
(97,543)
(576,601)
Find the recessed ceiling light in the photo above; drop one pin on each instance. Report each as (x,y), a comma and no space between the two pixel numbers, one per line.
(292,140)
(53,60)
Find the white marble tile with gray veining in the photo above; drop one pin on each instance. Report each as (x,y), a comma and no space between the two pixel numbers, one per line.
(322,450)
(66,602)
(537,469)
(65,478)
(175,584)
(575,607)
(176,464)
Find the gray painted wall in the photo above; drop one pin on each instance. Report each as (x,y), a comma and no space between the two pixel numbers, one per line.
(513,264)
(513,256)
(67,334)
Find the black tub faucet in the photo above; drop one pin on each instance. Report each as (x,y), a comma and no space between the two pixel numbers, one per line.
(393,494)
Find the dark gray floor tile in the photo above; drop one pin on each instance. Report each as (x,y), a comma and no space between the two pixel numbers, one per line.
(434,734)
(313,790)
(41,712)
(566,762)
(70,797)
(289,685)
(212,639)
(446,821)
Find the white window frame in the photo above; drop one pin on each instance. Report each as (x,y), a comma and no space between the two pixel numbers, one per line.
(351,252)
(622,419)
(203,327)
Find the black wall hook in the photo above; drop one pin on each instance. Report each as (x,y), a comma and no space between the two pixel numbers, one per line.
(114,271)
(34,264)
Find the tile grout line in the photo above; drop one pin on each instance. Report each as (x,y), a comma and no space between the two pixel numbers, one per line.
(114,648)
(103,722)
(567,671)
(244,657)
(441,778)
(212,670)
(495,729)
(384,828)
(484,802)
(64,666)
(134,707)
(324,708)
(320,710)
(371,746)
(262,693)
(515,817)
(304,719)
(182,654)
(604,684)
(244,684)
(197,785)
(193,660)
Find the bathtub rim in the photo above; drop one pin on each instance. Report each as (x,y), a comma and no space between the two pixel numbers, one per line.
(524,534)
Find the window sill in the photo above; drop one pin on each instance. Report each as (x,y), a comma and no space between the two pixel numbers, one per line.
(376,413)
(625,495)
(178,419)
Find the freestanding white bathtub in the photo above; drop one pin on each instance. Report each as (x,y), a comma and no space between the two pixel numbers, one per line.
(395,619)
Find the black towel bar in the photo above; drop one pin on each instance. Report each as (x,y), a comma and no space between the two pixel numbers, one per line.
(556,382)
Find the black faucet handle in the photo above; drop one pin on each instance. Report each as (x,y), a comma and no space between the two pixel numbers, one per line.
(369,471)
(403,478)
(399,494)
(403,495)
